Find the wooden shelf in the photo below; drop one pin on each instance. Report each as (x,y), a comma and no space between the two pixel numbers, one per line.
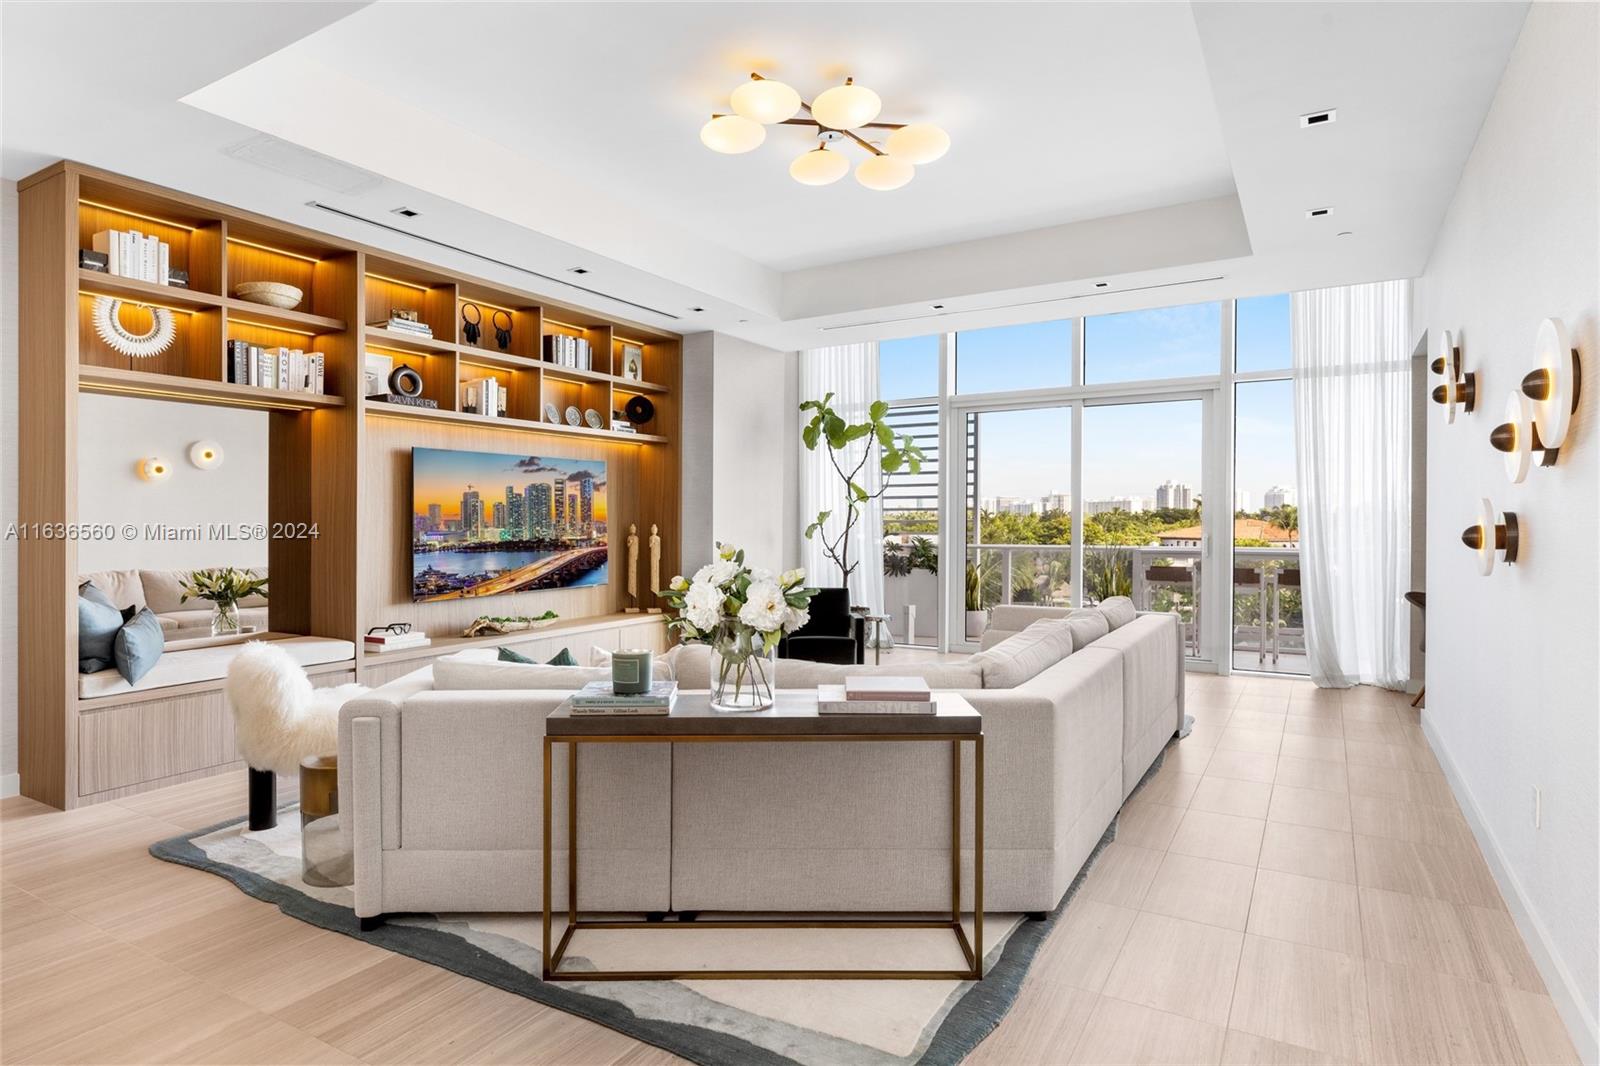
(95,283)
(487,357)
(406,342)
(302,321)
(427,414)
(567,373)
(112,379)
(561,627)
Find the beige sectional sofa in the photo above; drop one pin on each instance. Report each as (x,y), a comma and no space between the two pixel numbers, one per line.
(162,592)
(442,770)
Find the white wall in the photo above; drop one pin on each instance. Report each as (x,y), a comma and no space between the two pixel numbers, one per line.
(9,782)
(740,451)
(115,432)
(1513,682)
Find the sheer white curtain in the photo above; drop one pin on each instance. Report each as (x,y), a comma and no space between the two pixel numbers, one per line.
(1352,408)
(850,372)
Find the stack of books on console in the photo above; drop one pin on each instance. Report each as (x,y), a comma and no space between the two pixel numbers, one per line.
(597,697)
(409,326)
(382,642)
(876,695)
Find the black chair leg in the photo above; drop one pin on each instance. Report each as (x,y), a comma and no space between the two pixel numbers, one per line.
(263,799)
(369,924)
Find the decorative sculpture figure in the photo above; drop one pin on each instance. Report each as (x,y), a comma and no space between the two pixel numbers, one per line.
(655,564)
(633,569)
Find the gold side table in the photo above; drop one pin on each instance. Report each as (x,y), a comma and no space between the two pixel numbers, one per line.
(793,718)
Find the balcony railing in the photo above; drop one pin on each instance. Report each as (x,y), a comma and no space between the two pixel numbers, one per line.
(1267,630)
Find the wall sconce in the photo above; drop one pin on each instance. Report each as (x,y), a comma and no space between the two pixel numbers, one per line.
(1488,537)
(1459,390)
(205,454)
(1539,413)
(154,469)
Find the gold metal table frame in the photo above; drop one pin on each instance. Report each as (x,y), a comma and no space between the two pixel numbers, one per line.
(972,950)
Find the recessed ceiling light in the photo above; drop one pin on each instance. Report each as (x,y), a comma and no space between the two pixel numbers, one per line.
(577,270)
(1100,284)
(1318,212)
(697,308)
(937,307)
(405,212)
(1319,118)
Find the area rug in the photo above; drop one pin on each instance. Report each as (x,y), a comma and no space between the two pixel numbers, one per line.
(716,1023)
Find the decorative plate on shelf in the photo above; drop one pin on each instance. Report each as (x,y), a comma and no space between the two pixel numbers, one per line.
(573,418)
(592,417)
(551,414)
(271,293)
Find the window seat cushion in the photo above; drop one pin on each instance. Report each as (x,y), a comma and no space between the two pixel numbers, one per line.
(186,666)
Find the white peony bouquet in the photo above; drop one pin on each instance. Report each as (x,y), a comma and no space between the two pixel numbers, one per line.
(742,612)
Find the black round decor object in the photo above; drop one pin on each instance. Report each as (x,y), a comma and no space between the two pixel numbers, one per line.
(471,328)
(639,410)
(405,381)
(502,334)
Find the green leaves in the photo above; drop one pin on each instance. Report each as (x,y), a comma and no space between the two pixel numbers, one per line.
(822,516)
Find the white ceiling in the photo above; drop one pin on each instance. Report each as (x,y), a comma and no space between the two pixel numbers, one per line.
(1138,145)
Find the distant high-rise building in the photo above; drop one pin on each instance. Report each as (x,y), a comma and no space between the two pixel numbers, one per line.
(514,513)
(1130,504)
(1241,500)
(572,508)
(435,518)
(1174,496)
(1277,496)
(1056,501)
(471,512)
(558,494)
(1013,505)
(497,515)
(586,505)
(538,508)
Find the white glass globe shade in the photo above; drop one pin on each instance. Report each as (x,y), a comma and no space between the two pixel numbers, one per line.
(844,107)
(920,142)
(884,172)
(819,167)
(765,101)
(732,134)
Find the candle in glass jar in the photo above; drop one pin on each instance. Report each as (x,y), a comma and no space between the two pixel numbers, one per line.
(630,671)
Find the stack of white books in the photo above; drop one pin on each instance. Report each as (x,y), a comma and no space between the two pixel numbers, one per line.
(876,694)
(384,642)
(289,369)
(131,254)
(597,697)
(484,396)
(568,351)
(405,325)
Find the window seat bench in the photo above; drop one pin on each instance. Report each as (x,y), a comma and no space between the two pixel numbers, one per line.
(205,659)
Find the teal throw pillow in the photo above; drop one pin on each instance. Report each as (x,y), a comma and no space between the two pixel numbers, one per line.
(138,645)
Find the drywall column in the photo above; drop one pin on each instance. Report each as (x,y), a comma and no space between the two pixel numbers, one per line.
(1514,682)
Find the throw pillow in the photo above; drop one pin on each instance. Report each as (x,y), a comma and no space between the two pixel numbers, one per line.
(98,622)
(1119,611)
(138,645)
(1020,658)
(562,658)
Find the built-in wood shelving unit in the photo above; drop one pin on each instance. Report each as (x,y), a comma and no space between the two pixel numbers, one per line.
(337,460)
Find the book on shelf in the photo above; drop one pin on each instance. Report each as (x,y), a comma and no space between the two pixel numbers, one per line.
(381,648)
(291,370)
(131,254)
(382,642)
(573,352)
(831,699)
(876,687)
(404,325)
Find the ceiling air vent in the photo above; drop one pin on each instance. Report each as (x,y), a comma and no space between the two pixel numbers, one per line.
(405,212)
(1319,118)
(1318,212)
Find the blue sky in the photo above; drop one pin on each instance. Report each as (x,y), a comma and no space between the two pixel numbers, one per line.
(1128,449)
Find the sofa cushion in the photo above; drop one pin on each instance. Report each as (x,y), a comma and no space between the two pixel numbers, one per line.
(561,658)
(1015,617)
(1087,626)
(121,586)
(1119,611)
(99,621)
(1017,659)
(209,664)
(138,646)
(163,590)
(691,665)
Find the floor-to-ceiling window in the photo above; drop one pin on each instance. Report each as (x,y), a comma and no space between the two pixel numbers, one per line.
(1079,456)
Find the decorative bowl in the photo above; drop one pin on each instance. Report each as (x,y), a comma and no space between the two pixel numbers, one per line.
(271,293)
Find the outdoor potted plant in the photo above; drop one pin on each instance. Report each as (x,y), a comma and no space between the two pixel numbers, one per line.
(224,587)
(977,617)
(741,612)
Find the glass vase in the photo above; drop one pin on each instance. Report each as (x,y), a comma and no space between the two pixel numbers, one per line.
(743,672)
(225,618)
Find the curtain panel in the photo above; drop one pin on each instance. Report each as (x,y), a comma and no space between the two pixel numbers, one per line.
(850,372)
(1352,406)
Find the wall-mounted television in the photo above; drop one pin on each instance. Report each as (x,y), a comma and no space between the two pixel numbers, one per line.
(485,524)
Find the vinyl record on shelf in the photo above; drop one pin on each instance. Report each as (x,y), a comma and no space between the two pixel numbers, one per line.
(639,410)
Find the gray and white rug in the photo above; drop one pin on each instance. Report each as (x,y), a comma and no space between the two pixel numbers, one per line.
(716,1023)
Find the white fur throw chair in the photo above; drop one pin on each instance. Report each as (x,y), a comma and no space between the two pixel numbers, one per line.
(279,718)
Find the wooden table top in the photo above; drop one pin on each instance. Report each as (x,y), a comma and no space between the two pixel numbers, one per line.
(793,714)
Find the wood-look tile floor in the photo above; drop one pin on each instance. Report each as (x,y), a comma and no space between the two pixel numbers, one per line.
(1268,900)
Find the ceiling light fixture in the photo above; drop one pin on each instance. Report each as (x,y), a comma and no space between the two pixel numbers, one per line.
(835,116)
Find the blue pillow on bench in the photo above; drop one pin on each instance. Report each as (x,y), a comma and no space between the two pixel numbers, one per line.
(98,622)
(138,645)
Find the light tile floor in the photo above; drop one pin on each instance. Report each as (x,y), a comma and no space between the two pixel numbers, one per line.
(1271,903)
(1295,885)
